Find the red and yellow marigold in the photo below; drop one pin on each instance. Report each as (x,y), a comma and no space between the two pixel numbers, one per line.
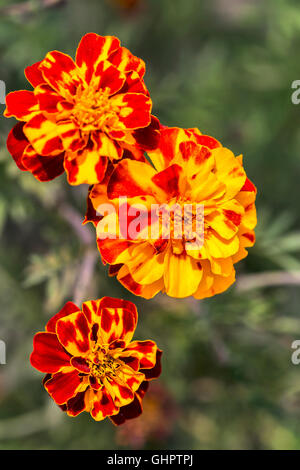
(82,114)
(92,364)
(188,168)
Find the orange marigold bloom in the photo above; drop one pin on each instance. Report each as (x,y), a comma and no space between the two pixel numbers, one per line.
(82,114)
(90,362)
(189,168)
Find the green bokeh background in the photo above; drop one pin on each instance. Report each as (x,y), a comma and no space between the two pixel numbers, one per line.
(225,66)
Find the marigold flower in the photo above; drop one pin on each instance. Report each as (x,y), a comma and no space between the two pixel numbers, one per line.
(190,169)
(90,362)
(82,114)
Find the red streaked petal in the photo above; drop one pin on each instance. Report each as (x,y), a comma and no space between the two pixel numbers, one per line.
(80,364)
(111,302)
(109,77)
(123,180)
(67,309)
(21,104)
(131,361)
(34,75)
(170,139)
(135,110)
(120,393)
(17,143)
(73,333)
(92,49)
(146,291)
(48,354)
(76,405)
(148,138)
(47,98)
(248,186)
(145,351)
(168,180)
(94,383)
(103,405)
(111,249)
(86,166)
(127,62)
(43,168)
(134,409)
(43,135)
(63,385)
(156,370)
(131,411)
(106,146)
(206,140)
(116,323)
(61,73)
(134,84)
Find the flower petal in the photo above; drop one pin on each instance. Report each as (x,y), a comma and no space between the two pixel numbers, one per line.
(145,351)
(73,333)
(76,405)
(92,49)
(135,110)
(61,73)
(156,370)
(148,138)
(22,105)
(134,409)
(101,404)
(85,166)
(43,135)
(43,168)
(48,354)
(127,62)
(229,171)
(67,309)
(16,144)
(116,323)
(120,393)
(63,386)
(34,75)
(108,77)
(123,181)
(182,275)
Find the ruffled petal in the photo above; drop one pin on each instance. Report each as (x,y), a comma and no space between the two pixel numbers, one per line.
(93,49)
(43,168)
(23,105)
(63,386)
(48,354)
(73,333)
(16,143)
(68,308)
(145,351)
(61,73)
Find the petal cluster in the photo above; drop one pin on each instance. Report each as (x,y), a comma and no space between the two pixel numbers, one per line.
(188,168)
(82,114)
(92,364)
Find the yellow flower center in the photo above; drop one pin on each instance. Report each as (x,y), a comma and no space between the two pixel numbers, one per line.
(94,110)
(182,222)
(107,366)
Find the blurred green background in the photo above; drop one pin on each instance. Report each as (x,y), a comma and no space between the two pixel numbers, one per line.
(225,66)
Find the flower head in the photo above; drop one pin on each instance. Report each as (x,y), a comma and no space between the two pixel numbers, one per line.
(190,170)
(82,114)
(92,364)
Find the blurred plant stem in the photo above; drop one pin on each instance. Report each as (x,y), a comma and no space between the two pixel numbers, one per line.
(267,279)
